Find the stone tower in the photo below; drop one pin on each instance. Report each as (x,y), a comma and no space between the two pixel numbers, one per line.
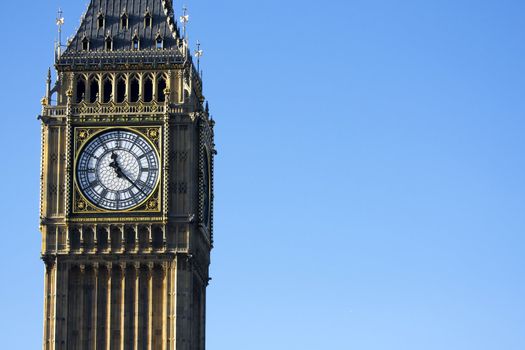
(127,185)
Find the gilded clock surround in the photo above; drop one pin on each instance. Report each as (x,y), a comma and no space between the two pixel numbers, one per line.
(152,204)
(132,279)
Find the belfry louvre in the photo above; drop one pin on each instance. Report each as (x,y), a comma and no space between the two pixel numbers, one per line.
(127,184)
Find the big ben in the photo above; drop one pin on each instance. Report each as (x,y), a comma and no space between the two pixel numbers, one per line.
(127,185)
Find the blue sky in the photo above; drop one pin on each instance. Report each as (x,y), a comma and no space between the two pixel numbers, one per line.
(369,182)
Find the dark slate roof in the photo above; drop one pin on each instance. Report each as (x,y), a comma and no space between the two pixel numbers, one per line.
(163,23)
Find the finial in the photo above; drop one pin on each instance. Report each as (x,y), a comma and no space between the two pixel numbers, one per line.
(48,86)
(184,19)
(198,54)
(59,22)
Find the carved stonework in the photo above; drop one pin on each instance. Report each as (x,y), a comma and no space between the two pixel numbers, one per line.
(125,278)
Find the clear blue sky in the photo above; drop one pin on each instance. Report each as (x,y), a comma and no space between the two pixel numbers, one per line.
(370,180)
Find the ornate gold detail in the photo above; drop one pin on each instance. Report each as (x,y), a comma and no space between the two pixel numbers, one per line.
(153,134)
(117,219)
(82,136)
(44,101)
(83,108)
(81,205)
(153,204)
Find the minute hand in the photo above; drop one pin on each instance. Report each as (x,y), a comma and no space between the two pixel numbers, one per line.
(120,173)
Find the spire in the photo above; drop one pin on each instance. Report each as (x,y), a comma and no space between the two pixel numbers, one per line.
(48,84)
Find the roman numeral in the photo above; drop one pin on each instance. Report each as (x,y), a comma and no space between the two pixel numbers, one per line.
(141,184)
(93,183)
(103,194)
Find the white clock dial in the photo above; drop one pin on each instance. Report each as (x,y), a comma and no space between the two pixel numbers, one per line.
(117,170)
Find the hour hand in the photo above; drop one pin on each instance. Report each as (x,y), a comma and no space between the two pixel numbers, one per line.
(114,163)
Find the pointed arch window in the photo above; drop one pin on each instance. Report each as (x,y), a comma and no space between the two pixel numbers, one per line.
(108,90)
(148,89)
(121,90)
(161,86)
(124,21)
(94,90)
(159,42)
(148,19)
(135,42)
(101,20)
(81,90)
(85,44)
(134,90)
(109,43)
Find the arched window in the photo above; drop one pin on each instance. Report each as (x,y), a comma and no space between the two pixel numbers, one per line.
(158,238)
(74,239)
(135,43)
(81,90)
(159,42)
(108,90)
(102,238)
(161,86)
(147,19)
(148,90)
(85,44)
(135,90)
(121,90)
(109,43)
(116,239)
(124,21)
(94,91)
(101,21)
(143,238)
(130,238)
(89,239)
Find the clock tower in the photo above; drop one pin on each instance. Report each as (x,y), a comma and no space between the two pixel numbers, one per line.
(127,185)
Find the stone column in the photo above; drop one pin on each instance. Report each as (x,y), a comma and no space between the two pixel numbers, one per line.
(122,305)
(108,228)
(62,305)
(136,307)
(108,307)
(165,303)
(80,307)
(81,231)
(95,239)
(50,290)
(150,306)
(95,303)
(172,316)
(123,236)
(150,239)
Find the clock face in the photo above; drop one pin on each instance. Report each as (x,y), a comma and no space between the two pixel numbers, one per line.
(117,170)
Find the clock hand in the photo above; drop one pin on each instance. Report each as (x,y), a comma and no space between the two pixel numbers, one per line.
(121,174)
(114,163)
